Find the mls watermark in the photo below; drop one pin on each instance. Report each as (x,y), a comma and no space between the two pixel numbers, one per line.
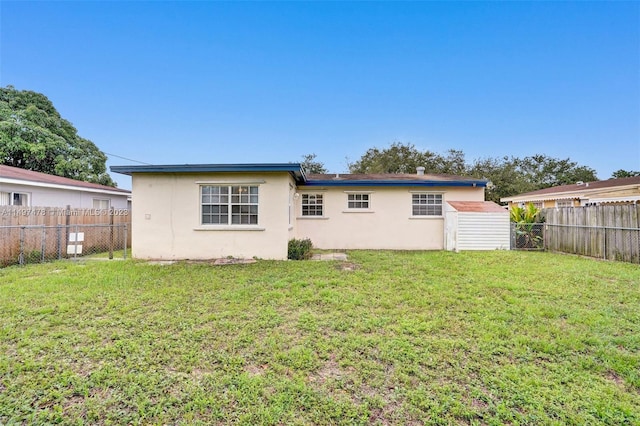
(35,211)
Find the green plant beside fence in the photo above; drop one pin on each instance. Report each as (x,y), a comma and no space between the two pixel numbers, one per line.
(527,231)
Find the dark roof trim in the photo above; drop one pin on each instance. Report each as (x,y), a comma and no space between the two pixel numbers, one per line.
(427,183)
(294,168)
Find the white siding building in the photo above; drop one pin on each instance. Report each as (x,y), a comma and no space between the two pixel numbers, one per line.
(476,226)
(19,187)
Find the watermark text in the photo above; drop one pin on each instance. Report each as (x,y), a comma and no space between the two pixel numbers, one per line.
(35,211)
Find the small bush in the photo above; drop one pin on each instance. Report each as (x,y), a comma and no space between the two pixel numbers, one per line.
(300,249)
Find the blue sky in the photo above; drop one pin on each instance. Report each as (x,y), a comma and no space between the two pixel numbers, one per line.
(219,82)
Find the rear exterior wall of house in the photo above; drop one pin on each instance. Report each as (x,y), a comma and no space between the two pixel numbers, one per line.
(376,217)
(207,216)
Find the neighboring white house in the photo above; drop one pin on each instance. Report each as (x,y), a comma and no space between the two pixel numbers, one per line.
(20,187)
(252,210)
(602,192)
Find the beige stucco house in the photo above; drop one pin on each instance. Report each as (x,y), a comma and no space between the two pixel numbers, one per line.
(611,191)
(253,210)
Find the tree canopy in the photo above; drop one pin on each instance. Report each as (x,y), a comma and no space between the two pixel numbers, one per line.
(34,136)
(310,165)
(618,174)
(508,175)
(398,158)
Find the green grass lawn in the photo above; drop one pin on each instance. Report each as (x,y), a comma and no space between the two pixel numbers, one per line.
(403,338)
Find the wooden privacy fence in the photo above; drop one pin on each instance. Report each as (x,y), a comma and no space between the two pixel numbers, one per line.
(608,232)
(52,216)
(37,234)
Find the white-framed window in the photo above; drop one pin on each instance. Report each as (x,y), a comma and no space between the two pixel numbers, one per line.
(312,205)
(101,204)
(20,199)
(14,199)
(229,204)
(426,204)
(358,201)
(564,203)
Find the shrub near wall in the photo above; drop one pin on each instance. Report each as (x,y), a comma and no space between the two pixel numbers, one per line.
(299,249)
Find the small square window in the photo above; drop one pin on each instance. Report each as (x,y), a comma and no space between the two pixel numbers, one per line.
(99,204)
(19,199)
(312,205)
(358,201)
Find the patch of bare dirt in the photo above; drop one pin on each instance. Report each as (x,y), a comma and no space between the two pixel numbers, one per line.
(611,375)
(347,266)
(477,403)
(72,402)
(233,261)
(256,370)
(199,373)
(330,370)
(218,262)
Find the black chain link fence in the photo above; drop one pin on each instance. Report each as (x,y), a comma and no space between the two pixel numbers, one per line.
(527,236)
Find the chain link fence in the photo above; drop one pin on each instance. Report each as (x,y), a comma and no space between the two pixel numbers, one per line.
(603,242)
(527,236)
(39,243)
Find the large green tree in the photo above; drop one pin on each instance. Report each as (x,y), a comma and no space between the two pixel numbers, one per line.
(34,136)
(398,158)
(507,175)
(512,175)
(504,177)
(544,172)
(452,163)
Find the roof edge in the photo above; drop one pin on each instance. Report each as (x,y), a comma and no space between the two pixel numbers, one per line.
(294,168)
(578,190)
(20,176)
(381,182)
(105,190)
(578,193)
